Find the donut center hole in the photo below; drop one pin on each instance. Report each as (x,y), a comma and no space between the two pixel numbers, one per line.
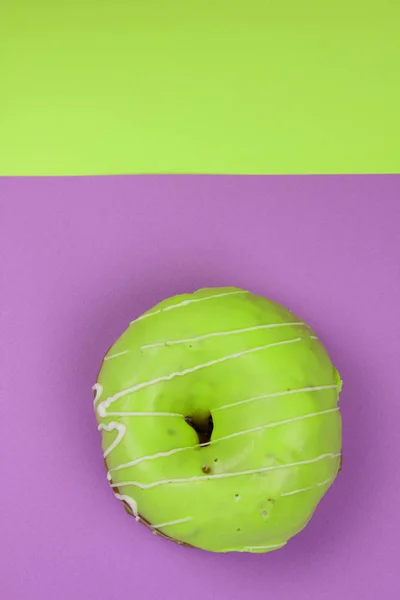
(203,426)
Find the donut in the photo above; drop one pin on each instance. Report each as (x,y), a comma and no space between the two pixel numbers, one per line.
(219,419)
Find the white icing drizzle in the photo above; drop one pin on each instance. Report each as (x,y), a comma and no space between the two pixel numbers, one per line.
(131,503)
(137,461)
(146,486)
(134,508)
(252,548)
(314,388)
(141,414)
(170,523)
(121,428)
(98,389)
(221,439)
(103,405)
(223,333)
(311,487)
(109,356)
(186,302)
(113,425)
(314,337)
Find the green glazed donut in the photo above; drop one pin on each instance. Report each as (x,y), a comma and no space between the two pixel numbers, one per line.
(220,422)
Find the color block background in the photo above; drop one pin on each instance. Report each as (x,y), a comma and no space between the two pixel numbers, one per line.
(187,86)
(81,257)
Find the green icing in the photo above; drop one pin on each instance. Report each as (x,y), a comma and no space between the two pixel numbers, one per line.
(260,484)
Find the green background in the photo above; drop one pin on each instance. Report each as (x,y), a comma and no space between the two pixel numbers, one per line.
(151,86)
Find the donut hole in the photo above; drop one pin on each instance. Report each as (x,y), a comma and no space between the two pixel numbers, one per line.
(203,426)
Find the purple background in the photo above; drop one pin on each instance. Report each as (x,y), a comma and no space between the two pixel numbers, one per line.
(79,259)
